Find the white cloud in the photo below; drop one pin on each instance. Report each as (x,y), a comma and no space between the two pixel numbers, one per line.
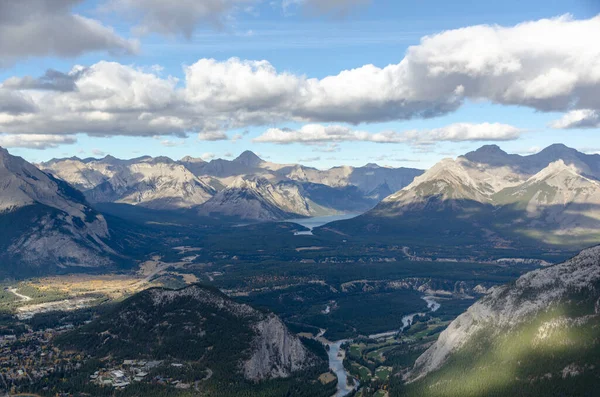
(98,152)
(547,65)
(107,99)
(207,156)
(582,118)
(312,134)
(460,132)
(49,28)
(212,136)
(35,141)
(171,143)
(178,17)
(465,132)
(529,151)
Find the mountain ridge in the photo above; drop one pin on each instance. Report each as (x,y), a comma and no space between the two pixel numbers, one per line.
(209,185)
(537,200)
(536,332)
(46,222)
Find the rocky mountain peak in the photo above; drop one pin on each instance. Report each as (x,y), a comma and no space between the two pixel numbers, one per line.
(557,149)
(160,159)
(555,168)
(488,154)
(109,159)
(249,159)
(190,159)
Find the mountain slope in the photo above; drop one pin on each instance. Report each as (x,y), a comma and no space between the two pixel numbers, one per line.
(200,325)
(535,336)
(46,223)
(559,202)
(257,199)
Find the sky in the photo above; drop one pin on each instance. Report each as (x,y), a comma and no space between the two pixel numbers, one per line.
(319,82)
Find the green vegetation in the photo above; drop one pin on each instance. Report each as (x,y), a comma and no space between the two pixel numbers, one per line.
(194,331)
(377,363)
(383,373)
(547,356)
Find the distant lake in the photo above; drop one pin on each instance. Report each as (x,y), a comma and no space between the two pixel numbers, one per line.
(311,223)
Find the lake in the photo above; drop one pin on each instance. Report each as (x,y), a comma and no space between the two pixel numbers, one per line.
(316,221)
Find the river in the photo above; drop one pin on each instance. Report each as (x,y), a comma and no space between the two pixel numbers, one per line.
(407,320)
(337,355)
(336,364)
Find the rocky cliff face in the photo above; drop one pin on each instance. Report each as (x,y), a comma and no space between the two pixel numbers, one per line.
(46,222)
(561,300)
(276,353)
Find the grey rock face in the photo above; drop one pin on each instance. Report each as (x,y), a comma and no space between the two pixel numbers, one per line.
(508,306)
(276,352)
(55,224)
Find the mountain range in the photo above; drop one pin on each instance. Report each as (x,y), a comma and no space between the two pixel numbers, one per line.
(246,187)
(490,196)
(486,198)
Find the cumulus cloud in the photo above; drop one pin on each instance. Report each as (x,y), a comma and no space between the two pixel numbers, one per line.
(35,141)
(15,103)
(108,99)
(178,17)
(460,132)
(546,65)
(49,28)
(581,118)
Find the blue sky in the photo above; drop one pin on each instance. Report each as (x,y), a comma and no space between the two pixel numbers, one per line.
(308,42)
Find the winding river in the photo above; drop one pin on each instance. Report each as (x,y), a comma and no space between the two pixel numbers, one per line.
(337,355)
(336,364)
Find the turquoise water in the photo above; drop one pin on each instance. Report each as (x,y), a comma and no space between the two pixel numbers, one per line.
(317,221)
